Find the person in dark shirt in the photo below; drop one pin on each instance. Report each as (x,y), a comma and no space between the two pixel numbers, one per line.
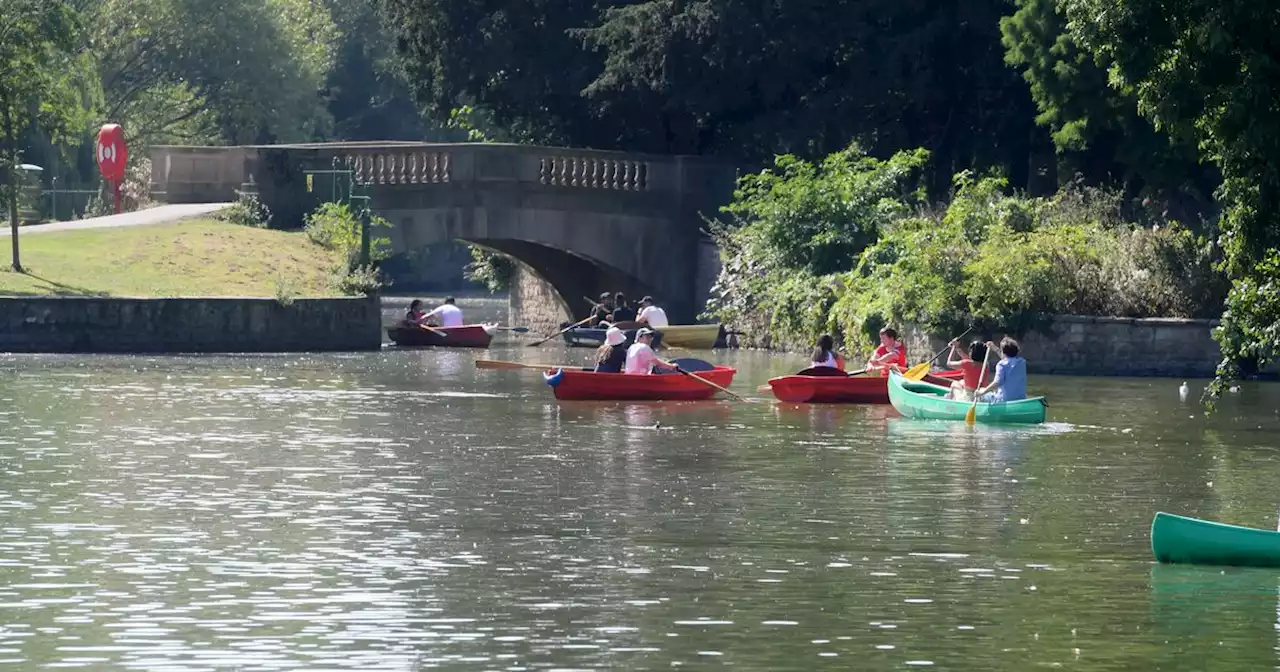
(611,356)
(622,312)
(600,312)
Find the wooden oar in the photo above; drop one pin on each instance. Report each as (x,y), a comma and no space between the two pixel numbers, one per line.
(498,364)
(921,370)
(437,332)
(518,330)
(971,416)
(575,324)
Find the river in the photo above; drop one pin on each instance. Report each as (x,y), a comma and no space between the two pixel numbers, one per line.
(401,510)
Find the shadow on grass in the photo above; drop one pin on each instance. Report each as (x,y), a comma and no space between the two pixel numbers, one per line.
(54,288)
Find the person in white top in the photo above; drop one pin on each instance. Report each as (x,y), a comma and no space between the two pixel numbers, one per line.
(641,359)
(651,315)
(448,313)
(825,354)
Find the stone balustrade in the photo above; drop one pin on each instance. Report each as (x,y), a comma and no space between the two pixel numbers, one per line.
(402,166)
(594,172)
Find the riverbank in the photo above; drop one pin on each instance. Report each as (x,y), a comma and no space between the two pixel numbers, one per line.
(200,257)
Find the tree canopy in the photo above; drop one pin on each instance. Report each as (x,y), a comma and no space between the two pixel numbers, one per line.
(1210,73)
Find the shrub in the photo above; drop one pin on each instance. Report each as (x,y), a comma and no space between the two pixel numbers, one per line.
(246,211)
(991,259)
(491,269)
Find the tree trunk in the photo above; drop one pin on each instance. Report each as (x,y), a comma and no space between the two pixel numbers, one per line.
(11,137)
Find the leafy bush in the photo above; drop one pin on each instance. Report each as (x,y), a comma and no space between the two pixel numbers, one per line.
(819,217)
(491,269)
(359,280)
(992,259)
(335,227)
(246,211)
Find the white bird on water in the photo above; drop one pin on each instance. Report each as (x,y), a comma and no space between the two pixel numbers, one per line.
(1183,390)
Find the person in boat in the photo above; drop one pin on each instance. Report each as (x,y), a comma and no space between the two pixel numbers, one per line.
(651,315)
(1010,383)
(415,315)
(622,312)
(825,354)
(891,355)
(641,359)
(446,314)
(600,312)
(971,364)
(611,357)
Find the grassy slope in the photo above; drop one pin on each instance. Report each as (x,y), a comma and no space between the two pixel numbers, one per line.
(191,258)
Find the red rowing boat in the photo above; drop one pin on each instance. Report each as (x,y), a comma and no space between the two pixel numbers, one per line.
(580,384)
(838,388)
(466,336)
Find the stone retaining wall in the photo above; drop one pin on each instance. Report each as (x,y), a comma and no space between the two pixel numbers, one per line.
(1106,346)
(127,325)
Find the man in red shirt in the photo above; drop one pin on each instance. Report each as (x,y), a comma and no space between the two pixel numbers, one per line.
(890,355)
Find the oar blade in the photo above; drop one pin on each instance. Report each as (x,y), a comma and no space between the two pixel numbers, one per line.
(917,372)
(971,415)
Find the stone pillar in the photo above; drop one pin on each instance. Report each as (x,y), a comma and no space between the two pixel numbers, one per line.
(534,303)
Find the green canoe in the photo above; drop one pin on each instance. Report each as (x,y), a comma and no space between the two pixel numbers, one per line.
(1202,542)
(927,401)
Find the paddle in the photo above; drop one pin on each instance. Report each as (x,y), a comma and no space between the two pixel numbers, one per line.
(919,371)
(575,324)
(518,330)
(971,416)
(437,332)
(498,364)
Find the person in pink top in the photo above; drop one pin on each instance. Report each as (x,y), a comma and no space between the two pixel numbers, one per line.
(641,359)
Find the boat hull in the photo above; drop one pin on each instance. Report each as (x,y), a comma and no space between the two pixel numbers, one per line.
(864,389)
(924,400)
(1179,539)
(691,336)
(581,385)
(466,336)
(590,337)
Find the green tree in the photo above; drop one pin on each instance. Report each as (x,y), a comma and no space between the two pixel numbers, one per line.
(247,71)
(735,78)
(366,90)
(42,83)
(1096,128)
(1208,73)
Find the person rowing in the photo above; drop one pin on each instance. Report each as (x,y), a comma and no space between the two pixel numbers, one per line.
(447,313)
(641,359)
(600,312)
(891,355)
(651,315)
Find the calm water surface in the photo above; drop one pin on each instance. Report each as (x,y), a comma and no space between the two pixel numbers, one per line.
(402,510)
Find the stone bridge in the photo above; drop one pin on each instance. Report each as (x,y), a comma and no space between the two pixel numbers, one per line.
(579,221)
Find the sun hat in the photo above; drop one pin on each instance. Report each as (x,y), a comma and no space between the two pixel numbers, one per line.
(645,331)
(647,299)
(614,336)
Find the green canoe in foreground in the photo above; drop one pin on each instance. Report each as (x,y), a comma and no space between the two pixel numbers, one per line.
(926,401)
(1179,539)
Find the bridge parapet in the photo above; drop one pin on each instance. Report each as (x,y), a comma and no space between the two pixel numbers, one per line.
(570,168)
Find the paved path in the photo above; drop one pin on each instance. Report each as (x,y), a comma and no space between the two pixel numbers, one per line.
(158,215)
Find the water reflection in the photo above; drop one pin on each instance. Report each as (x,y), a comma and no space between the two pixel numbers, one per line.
(402,510)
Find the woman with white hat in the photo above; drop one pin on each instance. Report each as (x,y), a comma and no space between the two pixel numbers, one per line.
(611,356)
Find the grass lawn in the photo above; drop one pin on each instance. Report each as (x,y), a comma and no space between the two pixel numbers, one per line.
(192,258)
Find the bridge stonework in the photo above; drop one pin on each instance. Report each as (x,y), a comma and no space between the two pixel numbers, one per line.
(582,221)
